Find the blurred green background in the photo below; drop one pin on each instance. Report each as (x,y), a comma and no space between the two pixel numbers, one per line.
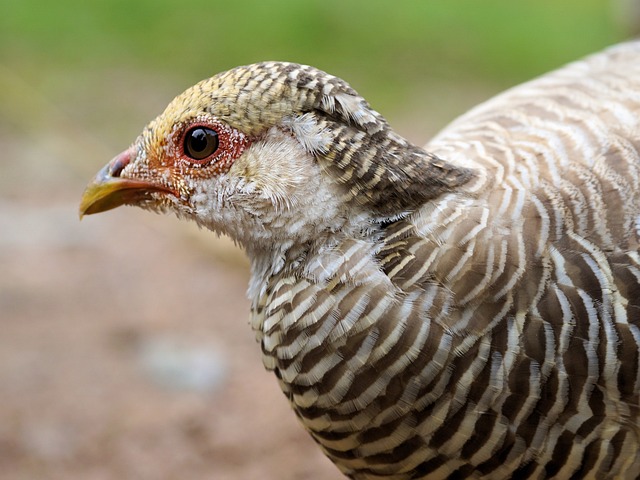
(108,65)
(98,318)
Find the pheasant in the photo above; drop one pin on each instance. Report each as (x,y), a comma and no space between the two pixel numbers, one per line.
(466,310)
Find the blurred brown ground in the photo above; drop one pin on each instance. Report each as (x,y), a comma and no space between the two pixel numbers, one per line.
(75,400)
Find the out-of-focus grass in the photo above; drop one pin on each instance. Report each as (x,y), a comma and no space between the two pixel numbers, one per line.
(97,71)
(388,44)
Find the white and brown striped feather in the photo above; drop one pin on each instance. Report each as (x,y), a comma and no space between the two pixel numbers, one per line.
(494,332)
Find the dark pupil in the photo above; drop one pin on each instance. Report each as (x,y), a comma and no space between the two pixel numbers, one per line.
(200,142)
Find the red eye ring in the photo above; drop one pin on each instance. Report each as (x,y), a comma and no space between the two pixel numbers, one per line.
(206,144)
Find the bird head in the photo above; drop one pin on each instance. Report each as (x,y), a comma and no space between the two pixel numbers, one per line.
(271,152)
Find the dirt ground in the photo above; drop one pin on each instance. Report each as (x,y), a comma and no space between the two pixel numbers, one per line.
(78,400)
(125,348)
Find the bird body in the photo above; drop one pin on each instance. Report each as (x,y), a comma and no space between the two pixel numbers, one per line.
(467,310)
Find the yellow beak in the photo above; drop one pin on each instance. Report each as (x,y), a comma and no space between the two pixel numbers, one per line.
(108,190)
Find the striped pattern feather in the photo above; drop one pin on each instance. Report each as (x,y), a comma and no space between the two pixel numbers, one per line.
(493,331)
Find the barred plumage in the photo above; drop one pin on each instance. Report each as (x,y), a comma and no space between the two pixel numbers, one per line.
(470,312)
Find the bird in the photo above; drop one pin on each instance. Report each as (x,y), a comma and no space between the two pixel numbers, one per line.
(470,309)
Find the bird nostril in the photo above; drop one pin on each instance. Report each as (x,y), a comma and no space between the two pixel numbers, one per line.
(119,162)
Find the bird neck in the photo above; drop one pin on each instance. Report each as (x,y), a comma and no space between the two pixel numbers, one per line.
(291,257)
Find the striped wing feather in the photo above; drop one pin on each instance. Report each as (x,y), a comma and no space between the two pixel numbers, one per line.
(493,333)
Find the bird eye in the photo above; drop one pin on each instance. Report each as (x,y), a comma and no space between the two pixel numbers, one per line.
(200,142)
